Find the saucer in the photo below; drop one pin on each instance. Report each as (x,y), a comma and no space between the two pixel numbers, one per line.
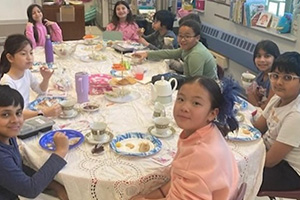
(170,132)
(90,139)
(74,114)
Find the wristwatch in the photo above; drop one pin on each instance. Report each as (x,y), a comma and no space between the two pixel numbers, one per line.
(40,113)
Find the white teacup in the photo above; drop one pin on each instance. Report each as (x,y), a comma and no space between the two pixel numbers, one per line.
(67,106)
(161,125)
(247,79)
(98,130)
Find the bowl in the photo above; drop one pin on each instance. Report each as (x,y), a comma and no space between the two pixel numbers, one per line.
(64,50)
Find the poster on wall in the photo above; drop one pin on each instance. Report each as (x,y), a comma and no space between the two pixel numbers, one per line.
(264,19)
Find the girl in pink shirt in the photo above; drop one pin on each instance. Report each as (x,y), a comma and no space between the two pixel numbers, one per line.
(204,167)
(122,20)
(37,27)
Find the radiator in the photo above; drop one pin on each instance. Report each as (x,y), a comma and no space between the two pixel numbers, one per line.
(232,46)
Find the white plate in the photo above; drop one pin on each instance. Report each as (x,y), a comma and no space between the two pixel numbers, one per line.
(169,132)
(74,114)
(133,95)
(89,107)
(108,137)
(48,3)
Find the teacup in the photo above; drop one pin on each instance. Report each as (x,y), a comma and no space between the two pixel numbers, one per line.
(247,79)
(98,130)
(161,125)
(138,72)
(159,110)
(67,106)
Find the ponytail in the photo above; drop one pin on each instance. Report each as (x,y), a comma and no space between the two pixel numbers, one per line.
(4,64)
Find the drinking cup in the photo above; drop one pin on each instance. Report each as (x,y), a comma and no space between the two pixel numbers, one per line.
(138,72)
(247,79)
(161,125)
(67,106)
(159,110)
(98,130)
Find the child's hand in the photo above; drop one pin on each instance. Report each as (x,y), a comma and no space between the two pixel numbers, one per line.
(52,111)
(46,73)
(49,23)
(141,55)
(61,142)
(140,31)
(29,24)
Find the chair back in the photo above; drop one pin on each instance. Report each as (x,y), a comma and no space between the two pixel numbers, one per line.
(295,194)
(241,192)
(112,35)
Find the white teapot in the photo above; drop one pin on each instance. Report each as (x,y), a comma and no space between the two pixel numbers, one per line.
(162,90)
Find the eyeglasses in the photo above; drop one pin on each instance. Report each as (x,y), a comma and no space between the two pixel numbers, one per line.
(185,37)
(286,77)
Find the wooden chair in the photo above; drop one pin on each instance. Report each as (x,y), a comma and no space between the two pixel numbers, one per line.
(241,192)
(295,194)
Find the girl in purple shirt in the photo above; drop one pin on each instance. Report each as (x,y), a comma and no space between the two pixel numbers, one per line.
(122,20)
(37,27)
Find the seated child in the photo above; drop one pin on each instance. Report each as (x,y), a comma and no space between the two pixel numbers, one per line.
(16,59)
(279,122)
(204,166)
(197,59)
(162,24)
(38,27)
(122,20)
(14,180)
(259,93)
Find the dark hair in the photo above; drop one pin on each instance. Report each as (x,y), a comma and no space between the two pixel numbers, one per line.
(268,46)
(115,18)
(191,16)
(222,97)
(288,62)
(193,25)
(10,97)
(30,19)
(165,17)
(13,44)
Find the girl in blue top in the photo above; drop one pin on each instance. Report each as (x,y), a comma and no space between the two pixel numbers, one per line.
(259,93)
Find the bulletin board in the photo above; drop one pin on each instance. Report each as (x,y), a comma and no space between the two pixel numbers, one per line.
(11,10)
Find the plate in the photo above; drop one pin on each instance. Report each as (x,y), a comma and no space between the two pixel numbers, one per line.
(44,102)
(119,73)
(170,132)
(47,143)
(91,140)
(133,95)
(245,133)
(74,114)
(135,138)
(89,107)
(48,3)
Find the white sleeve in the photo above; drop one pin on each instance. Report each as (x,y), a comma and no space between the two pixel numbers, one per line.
(289,132)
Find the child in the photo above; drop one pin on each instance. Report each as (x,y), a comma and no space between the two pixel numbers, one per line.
(37,27)
(259,93)
(122,20)
(16,59)
(13,180)
(163,25)
(204,166)
(279,123)
(197,59)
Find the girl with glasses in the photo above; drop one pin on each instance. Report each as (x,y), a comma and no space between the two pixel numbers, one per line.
(196,57)
(279,125)
(259,93)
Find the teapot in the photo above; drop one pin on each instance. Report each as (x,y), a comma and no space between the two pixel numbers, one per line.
(162,90)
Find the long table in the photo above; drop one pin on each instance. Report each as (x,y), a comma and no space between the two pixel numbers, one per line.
(109,175)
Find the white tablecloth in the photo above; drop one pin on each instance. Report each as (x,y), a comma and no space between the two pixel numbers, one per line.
(111,176)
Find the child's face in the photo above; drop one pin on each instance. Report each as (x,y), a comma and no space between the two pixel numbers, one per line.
(37,14)
(284,88)
(192,109)
(11,121)
(122,11)
(263,61)
(23,59)
(156,25)
(186,38)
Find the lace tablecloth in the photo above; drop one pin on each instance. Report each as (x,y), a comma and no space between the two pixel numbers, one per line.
(111,176)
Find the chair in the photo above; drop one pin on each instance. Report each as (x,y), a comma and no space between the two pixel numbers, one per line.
(241,192)
(112,35)
(295,194)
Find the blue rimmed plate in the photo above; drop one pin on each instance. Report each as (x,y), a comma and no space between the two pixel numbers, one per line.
(116,73)
(75,139)
(244,133)
(129,144)
(44,101)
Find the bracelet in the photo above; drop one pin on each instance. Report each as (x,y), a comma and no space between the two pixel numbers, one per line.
(162,192)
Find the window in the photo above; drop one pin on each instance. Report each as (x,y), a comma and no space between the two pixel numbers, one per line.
(279,7)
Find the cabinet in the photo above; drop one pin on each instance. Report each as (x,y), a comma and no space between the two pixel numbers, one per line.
(72,30)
